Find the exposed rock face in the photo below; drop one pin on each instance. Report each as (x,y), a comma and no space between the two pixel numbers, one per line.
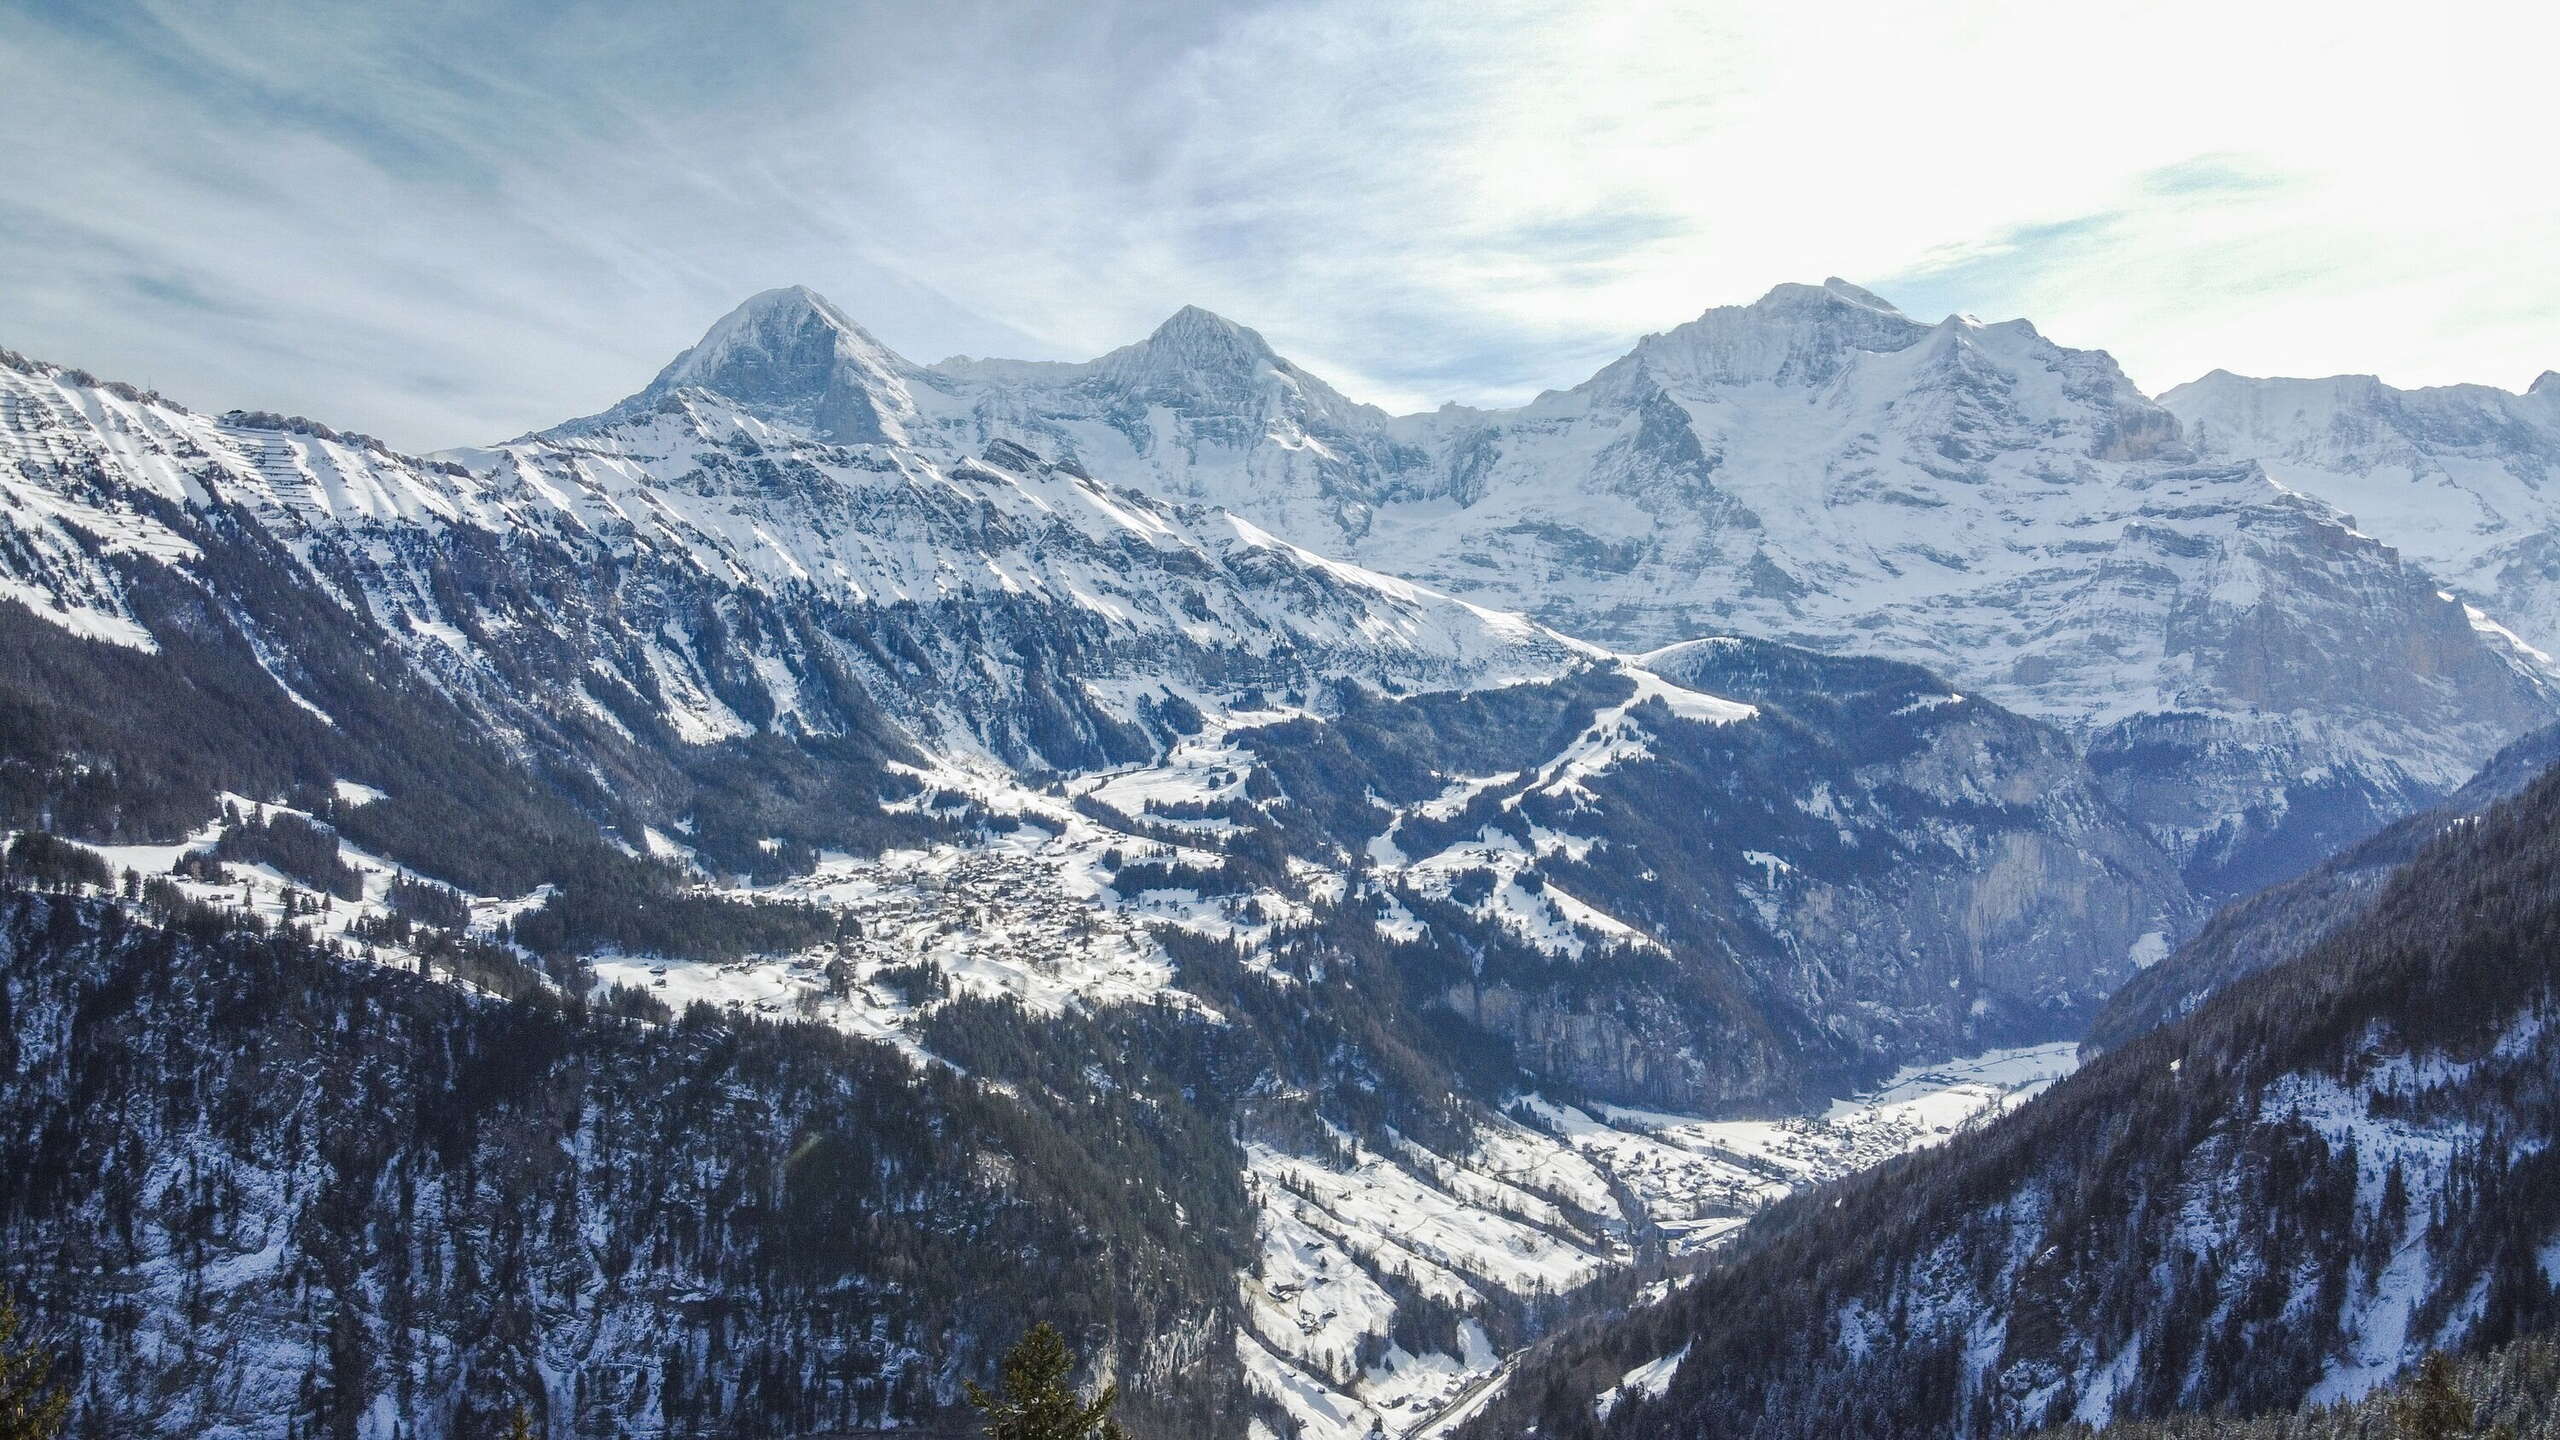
(2464,479)
(1633,1058)
(2013,884)
(2283,921)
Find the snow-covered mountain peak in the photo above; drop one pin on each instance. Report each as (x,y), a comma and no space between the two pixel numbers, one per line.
(2456,476)
(790,354)
(786,304)
(776,342)
(1795,333)
(1957,386)
(1832,290)
(1192,329)
(2546,384)
(1196,352)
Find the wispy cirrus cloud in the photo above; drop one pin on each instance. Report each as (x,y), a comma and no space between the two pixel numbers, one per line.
(452,222)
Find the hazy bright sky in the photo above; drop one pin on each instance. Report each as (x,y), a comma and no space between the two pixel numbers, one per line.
(452,223)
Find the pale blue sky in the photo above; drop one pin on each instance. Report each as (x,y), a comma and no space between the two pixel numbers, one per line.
(450,223)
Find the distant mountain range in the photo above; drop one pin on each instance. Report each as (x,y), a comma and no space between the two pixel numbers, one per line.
(2255,678)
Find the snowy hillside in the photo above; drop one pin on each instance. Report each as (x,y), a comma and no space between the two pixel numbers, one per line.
(752,646)
(944,707)
(2288,1195)
(703,488)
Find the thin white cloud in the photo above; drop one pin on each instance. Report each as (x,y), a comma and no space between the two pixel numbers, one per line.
(458,223)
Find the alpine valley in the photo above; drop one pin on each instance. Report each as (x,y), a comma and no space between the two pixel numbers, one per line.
(706,919)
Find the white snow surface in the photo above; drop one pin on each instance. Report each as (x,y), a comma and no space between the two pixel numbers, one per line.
(1647,1381)
(1531,1209)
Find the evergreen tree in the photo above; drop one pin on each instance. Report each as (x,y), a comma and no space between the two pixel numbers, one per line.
(2432,1407)
(1039,1401)
(32,1407)
(522,1429)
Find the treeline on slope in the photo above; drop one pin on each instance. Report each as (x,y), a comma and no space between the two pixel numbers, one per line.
(49,862)
(2068,1232)
(390,1194)
(39,862)
(294,846)
(1404,1006)
(2511,1392)
(107,743)
(1708,1001)
(1334,1031)
(1404,987)
(1309,799)
(2285,919)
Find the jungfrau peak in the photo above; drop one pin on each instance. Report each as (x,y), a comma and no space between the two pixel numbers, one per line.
(1795,333)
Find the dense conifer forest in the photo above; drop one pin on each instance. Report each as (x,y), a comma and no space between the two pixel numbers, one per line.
(236,1171)
(2511,1392)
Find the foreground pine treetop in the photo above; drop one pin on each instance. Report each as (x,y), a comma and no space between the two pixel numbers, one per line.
(1039,1400)
(32,1407)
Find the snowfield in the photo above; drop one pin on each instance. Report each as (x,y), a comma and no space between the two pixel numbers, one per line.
(1449,1226)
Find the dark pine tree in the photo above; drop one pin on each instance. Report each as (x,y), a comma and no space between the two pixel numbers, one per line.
(32,1407)
(1039,1400)
(2432,1407)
